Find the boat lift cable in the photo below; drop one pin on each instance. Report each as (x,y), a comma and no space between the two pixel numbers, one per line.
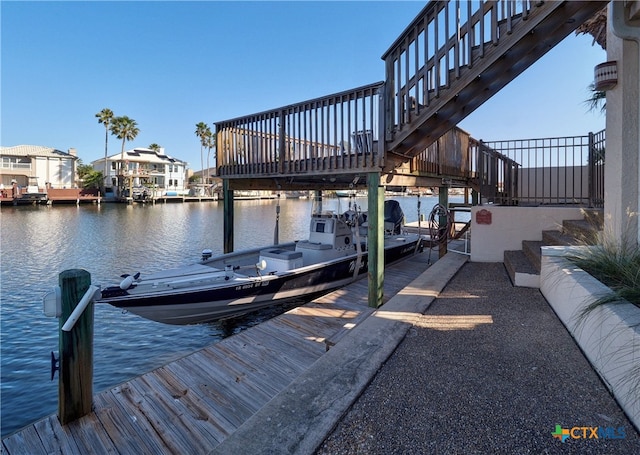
(419,217)
(419,245)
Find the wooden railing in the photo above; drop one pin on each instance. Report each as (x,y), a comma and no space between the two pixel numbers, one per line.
(456,55)
(449,157)
(431,52)
(335,133)
(495,175)
(460,160)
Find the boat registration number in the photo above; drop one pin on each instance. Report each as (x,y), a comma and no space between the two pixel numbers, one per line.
(252,285)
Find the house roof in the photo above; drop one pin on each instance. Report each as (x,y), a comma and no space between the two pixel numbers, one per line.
(145,156)
(34,150)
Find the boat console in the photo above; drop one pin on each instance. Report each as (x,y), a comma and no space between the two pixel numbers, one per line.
(329,238)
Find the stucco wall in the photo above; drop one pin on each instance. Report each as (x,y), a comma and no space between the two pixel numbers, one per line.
(622,172)
(511,225)
(554,184)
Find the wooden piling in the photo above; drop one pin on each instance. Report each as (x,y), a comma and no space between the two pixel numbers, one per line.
(75,382)
(376,240)
(227,226)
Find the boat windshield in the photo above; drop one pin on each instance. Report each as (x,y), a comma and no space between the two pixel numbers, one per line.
(333,206)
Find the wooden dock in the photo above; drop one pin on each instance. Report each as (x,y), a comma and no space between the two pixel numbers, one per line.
(56,196)
(191,405)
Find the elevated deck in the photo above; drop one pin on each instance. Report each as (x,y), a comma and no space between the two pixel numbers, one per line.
(453,57)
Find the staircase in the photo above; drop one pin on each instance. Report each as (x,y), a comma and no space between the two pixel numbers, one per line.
(456,55)
(523,266)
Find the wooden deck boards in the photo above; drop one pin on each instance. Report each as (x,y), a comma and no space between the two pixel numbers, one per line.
(192,404)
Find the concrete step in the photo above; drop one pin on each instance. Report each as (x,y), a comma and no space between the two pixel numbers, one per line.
(595,217)
(585,232)
(558,238)
(531,250)
(520,269)
(523,266)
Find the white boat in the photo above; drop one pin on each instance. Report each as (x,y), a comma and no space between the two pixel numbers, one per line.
(334,255)
(351,193)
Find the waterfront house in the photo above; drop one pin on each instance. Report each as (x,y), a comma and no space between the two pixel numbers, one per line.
(23,164)
(143,168)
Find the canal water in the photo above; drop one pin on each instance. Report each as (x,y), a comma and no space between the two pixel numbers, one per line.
(39,242)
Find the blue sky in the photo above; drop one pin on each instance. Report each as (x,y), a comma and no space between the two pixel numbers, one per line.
(170,65)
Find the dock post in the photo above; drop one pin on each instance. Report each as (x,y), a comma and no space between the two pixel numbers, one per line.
(75,381)
(376,240)
(317,198)
(227,227)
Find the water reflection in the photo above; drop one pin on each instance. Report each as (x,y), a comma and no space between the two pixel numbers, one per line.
(39,242)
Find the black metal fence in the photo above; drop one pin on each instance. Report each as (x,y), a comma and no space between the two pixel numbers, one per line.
(559,170)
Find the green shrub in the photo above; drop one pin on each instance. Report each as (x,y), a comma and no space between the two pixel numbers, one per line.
(615,263)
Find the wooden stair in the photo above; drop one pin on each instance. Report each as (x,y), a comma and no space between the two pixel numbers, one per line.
(518,43)
(523,266)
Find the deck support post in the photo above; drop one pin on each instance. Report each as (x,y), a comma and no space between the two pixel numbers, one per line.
(227,217)
(75,381)
(317,200)
(475,197)
(375,241)
(443,199)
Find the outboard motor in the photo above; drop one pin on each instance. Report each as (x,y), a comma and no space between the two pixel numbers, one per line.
(206,254)
(393,217)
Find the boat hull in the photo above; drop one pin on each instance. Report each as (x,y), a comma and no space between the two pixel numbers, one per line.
(190,306)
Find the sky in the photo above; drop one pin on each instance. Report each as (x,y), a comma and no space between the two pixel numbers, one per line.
(170,65)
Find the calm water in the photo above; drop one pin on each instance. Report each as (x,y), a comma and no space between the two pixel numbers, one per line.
(37,243)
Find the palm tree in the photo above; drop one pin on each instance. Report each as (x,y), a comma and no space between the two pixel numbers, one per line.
(155,147)
(202,131)
(210,143)
(597,101)
(597,28)
(105,116)
(124,128)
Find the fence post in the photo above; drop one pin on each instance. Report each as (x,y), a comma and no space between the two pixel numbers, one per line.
(75,383)
(591,167)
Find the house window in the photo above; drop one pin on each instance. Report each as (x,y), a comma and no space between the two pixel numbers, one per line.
(16,163)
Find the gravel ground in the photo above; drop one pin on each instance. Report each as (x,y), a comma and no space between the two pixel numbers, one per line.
(489,369)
